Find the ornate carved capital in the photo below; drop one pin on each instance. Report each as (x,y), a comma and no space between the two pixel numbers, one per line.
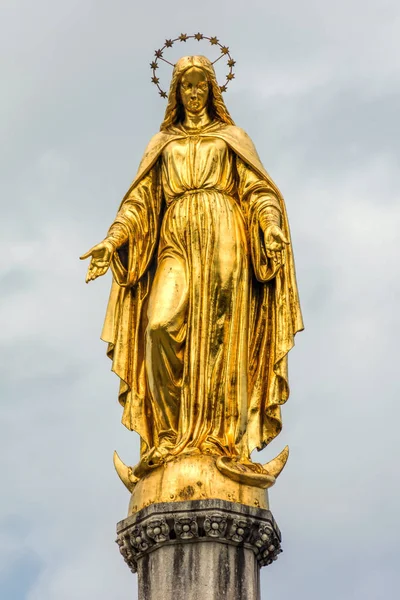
(199,521)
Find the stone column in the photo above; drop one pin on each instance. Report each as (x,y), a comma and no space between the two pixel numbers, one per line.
(199,549)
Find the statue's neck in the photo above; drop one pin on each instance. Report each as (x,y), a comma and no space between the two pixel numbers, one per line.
(196,120)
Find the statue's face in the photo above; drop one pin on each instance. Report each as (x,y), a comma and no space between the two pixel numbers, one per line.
(194,90)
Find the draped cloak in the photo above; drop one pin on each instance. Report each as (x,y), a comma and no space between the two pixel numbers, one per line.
(274,309)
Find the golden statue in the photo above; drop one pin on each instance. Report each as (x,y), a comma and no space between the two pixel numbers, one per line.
(204,305)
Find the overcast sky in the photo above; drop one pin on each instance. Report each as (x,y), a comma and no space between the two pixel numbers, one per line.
(317,88)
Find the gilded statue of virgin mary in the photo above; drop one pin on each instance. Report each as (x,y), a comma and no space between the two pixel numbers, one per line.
(204,305)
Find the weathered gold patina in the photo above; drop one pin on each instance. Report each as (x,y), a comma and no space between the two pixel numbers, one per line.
(204,305)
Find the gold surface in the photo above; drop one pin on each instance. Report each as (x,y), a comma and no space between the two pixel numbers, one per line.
(192,478)
(204,306)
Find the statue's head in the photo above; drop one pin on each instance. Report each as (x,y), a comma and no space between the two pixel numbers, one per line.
(193,87)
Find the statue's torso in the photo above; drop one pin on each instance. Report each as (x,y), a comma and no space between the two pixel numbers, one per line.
(197,162)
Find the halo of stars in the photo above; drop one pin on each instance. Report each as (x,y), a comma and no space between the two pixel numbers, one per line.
(214,41)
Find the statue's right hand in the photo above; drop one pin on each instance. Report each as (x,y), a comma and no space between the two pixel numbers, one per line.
(101,258)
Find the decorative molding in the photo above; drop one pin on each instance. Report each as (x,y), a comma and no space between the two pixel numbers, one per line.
(199,521)
(215,526)
(186,528)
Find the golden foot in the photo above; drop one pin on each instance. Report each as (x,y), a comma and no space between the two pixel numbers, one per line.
(151,460)
(210,449)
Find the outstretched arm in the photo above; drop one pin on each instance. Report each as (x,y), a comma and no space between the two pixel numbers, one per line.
(103,252)
(101,256)
(274,238)
(263,211)
(135,228)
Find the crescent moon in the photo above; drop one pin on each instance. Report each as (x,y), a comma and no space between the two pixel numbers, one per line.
(124,473)
(275,466)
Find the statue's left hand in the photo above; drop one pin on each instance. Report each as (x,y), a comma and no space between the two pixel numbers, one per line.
(101,258)
(275,241)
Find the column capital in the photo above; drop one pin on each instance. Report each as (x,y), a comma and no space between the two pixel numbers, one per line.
(199,521)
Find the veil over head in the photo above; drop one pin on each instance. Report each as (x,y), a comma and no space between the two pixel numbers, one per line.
(217,110)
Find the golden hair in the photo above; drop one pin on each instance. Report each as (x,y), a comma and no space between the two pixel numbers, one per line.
(174,112)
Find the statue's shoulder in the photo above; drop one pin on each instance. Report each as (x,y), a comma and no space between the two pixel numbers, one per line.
(235,131)
(153,149)
(156,144)
(237,137)
(242,144)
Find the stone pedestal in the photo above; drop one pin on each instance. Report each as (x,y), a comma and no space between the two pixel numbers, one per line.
(199,549)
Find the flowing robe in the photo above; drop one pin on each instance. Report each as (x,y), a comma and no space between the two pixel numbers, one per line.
(199,323)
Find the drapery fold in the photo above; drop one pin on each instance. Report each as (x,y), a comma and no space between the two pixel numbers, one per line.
(272,304)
